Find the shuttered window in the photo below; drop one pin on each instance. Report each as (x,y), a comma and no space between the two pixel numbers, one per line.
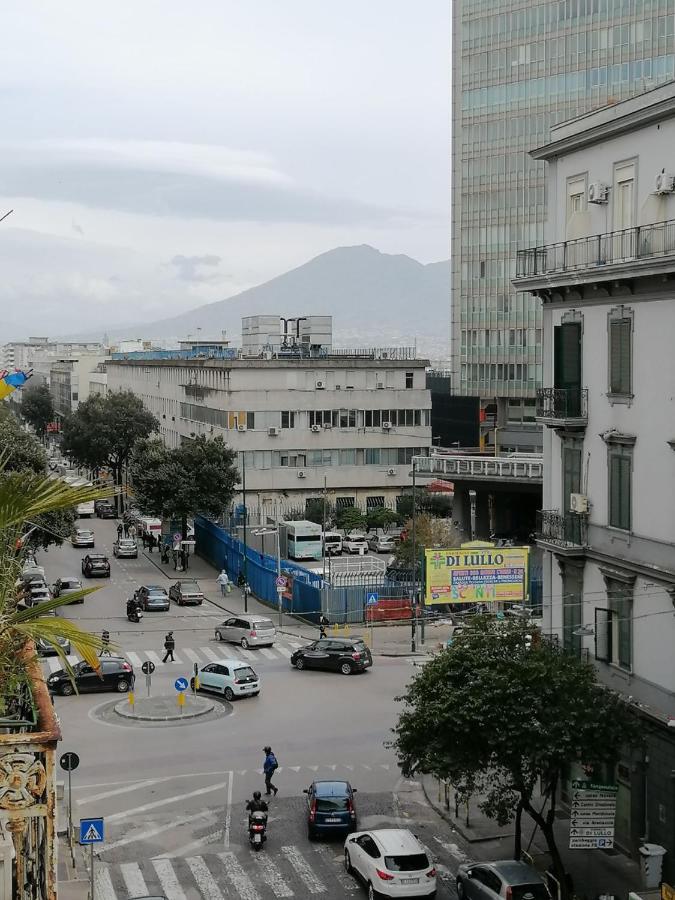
(620,596)
(620,464)
(620,362)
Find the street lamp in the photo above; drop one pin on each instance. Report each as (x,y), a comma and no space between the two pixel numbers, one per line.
(275,531)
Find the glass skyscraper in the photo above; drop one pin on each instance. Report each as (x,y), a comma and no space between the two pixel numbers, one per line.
(520,66)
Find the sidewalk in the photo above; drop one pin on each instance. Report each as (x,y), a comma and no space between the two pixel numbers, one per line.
(594,872)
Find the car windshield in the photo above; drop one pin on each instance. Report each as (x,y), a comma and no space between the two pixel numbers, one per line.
(409,862)
(70,583)
(244,672)
(530,892)
(359,646)
(331,804)
(156,592)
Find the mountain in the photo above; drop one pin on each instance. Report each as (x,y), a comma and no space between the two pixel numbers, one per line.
(375,299)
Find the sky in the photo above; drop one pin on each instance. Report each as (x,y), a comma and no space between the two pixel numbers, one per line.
(160,154)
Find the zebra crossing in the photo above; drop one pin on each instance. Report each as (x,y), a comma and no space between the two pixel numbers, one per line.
(282,871)
(188,656)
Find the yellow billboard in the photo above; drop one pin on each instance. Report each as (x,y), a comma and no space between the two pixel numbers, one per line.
(477,573)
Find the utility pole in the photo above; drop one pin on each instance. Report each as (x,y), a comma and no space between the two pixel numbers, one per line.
(245,561)
(413,633)
(323,528)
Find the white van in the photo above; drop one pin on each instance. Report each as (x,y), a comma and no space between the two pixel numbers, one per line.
(332,541)
(85,510)
(149,525)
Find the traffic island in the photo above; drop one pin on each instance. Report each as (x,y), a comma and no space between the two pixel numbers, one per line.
(164,709)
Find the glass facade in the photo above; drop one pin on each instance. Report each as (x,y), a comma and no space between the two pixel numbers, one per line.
(518,68)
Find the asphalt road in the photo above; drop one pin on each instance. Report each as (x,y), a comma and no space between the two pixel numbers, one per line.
(173,795)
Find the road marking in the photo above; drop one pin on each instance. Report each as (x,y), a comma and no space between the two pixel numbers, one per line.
(331,767)
(167,801)
(246,653)
(153,657)
(228,811)
(209,654)
(294,645)
(158,829)
(346,882)
(271,876)
(205,880)
(122,790)
(186,849)
(104,888)
(168,879)
(240,880)
(53,663)
(294,768)
(266,652)
(72,659)
(304,870)
(133,879)
(192,656)
(134,659)
(283,650)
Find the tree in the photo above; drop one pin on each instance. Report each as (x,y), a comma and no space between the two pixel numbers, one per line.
(429,532)
(508,710)
(20,450)
(438,505)
(37,407)
(103,431)
(314,511)
(197,477)
(381,517)
(349,518)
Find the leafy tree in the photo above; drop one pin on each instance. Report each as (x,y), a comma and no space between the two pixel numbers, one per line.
(37,407)
(438,505)
(103,431)
(198,477)
(314,511)
(350,518)
(429,532)
(53,528)
(508,711)
(20,450)
(381,517)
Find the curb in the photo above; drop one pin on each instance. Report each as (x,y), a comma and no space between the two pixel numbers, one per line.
(461,830)
(170,718)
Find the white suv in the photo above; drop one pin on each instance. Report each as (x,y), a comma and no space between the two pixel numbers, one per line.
(391,862)
(355,543)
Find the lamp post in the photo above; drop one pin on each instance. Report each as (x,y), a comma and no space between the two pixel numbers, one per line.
(245,535)
(413,627)
(275,531)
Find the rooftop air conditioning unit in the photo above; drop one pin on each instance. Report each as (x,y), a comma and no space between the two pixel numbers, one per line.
(316,429)
(664,183)
(391,471)
(598,192)
(380,385)
(578,503)
(320,386)
(386,426)
(241,428)
(301,474)
(273,432)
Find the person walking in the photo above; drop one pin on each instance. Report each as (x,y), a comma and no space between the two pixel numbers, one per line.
(269,768)
(175,559)
(120,530)
(105,644)
(164,553)
(224,582)
(151,541)
(184,557)
(169,646)
(323,625)
(132,531)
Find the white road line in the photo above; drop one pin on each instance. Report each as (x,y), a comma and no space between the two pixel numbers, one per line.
(153,657)
(313,884)
(103,884)
(157,829)
(211,838)
(192,656)
(122,790)
(283,650)
(133,878)
(134,659)
(168,879)
(205,880)
(228,811)
(271,875)
(167,801)
(267,652)
(53,663)
(72,659)
(346,882)
(246,653)
(209,654)
(294,645)
(240,880)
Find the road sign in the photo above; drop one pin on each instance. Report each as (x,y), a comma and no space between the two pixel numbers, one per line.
(148,667)
(592,814)
(177,538)
(181,684)
(372,598)
(69,761)
(281,581)
(91,831)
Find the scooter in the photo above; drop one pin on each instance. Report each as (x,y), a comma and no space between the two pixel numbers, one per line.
(134,615)
(257,829)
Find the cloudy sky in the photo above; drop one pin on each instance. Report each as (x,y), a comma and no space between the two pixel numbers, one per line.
(160,154)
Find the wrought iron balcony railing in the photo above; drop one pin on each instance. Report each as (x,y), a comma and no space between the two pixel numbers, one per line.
(562,529)
(562,405)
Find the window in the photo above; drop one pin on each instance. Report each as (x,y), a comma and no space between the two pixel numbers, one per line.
(572,585)
(75,395)
(344,502)
(620,353)
(372,456)
(287,419)
(347,457)
(374,502)
(576,195)
(250,420)
(614,625)
(620,466)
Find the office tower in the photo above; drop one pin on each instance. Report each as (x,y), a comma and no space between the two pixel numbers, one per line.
(518,68)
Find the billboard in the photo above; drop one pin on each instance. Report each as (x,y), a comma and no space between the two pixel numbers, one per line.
(477,573)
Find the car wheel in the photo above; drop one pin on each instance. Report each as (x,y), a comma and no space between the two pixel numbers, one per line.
(372,893)
(122,686)
(219,636)
(67,690)
(460,890)
(348,864)
(311,834)
(346,668)
(300,663)
(244,644)
(228,693)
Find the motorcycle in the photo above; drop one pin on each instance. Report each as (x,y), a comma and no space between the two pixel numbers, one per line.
(257,829)
(134,614)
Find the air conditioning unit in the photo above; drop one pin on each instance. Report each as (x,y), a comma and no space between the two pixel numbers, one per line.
(578,503)
(241,428)
(327,424)
(598,192)
(316,429)
(320,386)
(301,474)
(338,387)
(391,471)
(386,426)
(273,432)
(664,183)
(380,385)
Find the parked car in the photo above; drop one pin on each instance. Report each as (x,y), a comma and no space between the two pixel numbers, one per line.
(105,509)
(44,648)
(82,537)
(381,543)
(125,548)
(344,655)
(152,597)
(64,586)
(391,862)
(249,631)
(186,592)
(505,879)
(37,593)
(116,675)
(330,807)
(230,677)
(355,543)
(96,564)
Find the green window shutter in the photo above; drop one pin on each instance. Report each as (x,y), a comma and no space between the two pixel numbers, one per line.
(620,491)
(620,356)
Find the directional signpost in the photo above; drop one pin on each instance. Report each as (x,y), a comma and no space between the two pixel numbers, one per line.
(148,668)
(592,815)
(69,762)
(181,685)
(371,600)
(91,832)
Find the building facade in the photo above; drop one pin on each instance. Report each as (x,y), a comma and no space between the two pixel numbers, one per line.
(520,66)
(606,281)
(69,381)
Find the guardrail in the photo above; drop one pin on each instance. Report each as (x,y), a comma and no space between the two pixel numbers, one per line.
(515,468)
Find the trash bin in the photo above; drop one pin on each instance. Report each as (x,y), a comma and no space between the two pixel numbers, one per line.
(651,864)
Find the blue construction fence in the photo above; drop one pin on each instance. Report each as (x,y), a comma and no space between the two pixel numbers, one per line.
(222,550)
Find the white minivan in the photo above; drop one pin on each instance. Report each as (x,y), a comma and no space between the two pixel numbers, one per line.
(247,631)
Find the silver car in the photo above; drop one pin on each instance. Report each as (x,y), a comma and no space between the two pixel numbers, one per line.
(64,586)
(247,631)
(381,543)
(125,548)
(500,880)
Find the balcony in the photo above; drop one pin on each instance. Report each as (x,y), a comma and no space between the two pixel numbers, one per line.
(522,469)
(562,407)
(563,533)
(598,256)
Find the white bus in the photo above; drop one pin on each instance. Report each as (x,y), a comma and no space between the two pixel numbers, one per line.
(304,540)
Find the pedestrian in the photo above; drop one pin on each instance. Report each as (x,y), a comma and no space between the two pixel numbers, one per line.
(105,643)
(247,591)
(151,541)
(132,531)
(223,581)
(165,552)
(323,625)
(269,768)
(184,558)
(120,529)
(174,553)
(125,527)
(169,645)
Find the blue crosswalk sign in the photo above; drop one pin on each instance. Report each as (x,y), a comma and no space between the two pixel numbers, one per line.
(91,831)
(372,598)
(181,684)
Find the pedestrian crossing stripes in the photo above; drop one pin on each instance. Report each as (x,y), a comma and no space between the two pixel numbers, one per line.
(280,872)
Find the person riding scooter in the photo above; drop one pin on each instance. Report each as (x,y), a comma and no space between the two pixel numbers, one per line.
(133,610)
(257,804)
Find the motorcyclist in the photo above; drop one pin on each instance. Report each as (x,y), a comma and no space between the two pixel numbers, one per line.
(257,804)
(132,607)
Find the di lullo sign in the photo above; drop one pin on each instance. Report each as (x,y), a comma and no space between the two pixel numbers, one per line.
(477,573)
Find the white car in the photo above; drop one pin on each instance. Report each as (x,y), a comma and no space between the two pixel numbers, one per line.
(247,630)
(381,543)
(355,543)
(230,677)
(391,862)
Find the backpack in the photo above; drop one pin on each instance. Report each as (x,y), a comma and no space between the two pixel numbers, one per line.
(273,764)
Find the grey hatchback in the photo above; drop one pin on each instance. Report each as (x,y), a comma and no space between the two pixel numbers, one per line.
(505,879)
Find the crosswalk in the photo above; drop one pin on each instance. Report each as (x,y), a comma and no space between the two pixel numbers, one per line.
(279,870)
(186,657)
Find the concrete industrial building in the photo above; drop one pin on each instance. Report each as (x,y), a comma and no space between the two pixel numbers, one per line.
(347,420)
(606,280)
(518,68)
(69,380)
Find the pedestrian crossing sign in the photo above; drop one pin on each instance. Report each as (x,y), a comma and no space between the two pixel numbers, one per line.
(372,599)
(91,831)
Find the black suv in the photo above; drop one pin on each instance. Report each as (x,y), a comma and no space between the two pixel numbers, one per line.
(96,564)
(116,675)
(105,509)
(344,655)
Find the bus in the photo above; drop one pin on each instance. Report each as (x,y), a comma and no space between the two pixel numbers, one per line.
(304,540)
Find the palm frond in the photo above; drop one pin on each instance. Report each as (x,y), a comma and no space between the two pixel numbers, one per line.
(24,495)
